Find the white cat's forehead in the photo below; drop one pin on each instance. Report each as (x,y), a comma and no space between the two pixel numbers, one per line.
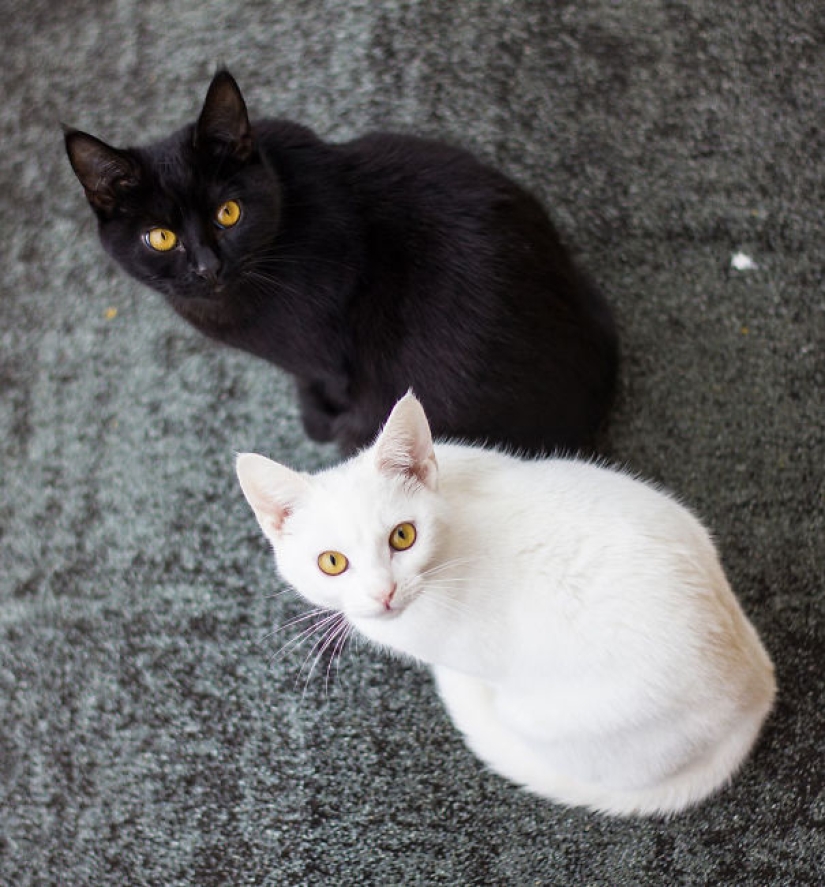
(346,505)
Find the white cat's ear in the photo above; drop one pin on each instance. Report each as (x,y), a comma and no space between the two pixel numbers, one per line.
(273,490)
(405,445)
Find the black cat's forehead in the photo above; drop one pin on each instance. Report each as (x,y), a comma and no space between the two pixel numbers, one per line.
(174,167)
(170,165)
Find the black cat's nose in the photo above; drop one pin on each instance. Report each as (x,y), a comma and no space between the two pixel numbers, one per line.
(206,264)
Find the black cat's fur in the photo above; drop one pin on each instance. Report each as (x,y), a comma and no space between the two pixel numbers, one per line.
(364,269)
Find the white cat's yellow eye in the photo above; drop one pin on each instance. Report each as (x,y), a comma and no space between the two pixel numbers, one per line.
(402,537)
(161,239)
(333,563)
(228,214)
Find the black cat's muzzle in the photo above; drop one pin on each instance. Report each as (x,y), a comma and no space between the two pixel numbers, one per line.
(206,265)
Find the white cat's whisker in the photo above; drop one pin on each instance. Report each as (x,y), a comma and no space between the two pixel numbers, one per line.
(446,565)
(443,599)
(277,594)
(340,636)
(319,647)
(339,649)
(451,606)
(291,623)
(297,620)
(319,634)
(304,635)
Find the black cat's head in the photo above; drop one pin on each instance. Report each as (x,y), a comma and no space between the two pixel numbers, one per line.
(188,215)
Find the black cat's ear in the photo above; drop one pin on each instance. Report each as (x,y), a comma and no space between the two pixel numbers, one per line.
(224,122)
(405,445)
(105,172)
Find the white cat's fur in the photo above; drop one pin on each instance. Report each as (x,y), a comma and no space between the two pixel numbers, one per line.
(577,620)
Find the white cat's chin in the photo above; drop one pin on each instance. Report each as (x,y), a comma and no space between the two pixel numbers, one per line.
(376,615)
(383,626)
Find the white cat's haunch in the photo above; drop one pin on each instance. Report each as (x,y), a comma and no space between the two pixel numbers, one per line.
(577,620)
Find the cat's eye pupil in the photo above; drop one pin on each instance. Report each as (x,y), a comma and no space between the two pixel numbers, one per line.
(228,214)
(403,536)
(160,239)
(333,563)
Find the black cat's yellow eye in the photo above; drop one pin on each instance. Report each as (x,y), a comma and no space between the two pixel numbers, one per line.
(161,239)
(402,537)
(333,563)
(228,214)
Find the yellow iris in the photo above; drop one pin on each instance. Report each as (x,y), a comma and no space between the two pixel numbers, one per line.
(402,537)
(228,214)
(333,563)
(161,239)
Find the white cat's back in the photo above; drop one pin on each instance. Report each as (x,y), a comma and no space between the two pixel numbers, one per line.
(620,632)
(564,520)
(587,553)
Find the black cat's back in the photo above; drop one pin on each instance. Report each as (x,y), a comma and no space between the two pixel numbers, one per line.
(491,320)
(364,269)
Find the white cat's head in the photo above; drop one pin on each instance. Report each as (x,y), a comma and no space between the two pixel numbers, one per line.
(358,537)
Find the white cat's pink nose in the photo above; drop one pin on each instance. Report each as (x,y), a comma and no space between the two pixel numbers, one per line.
(387,596)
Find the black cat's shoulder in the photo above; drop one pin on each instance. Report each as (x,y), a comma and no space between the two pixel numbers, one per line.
(426,156)
(279,133)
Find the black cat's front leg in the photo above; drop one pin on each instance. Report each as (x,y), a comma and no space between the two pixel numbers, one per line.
(318,411)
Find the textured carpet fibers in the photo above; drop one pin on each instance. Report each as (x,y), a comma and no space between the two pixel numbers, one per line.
(149,734)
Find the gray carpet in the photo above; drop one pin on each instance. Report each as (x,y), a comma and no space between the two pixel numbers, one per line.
(148,733)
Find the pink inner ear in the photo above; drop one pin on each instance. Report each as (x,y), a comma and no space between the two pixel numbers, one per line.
(405,446)
(271,489)
(274,519)
(423,470)
(406,462)
(272,516)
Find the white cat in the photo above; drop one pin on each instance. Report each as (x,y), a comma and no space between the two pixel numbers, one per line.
(578,622)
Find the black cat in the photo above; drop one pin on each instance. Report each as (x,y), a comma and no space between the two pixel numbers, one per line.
(364,269)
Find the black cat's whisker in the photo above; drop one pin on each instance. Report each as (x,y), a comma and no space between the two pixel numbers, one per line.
(277,254)
(270,259)
(267,282)
(263,284)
